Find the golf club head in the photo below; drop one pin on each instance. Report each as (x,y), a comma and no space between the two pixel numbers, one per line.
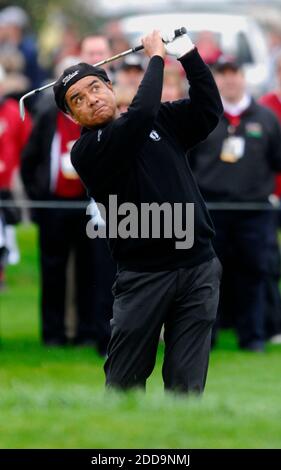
(31,93)
(21,107)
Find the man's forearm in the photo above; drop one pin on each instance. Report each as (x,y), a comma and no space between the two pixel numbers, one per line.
(148,98)
(203,89)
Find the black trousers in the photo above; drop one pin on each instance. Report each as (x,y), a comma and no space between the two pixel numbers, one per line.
(62,231)
(185,302)
(273,297)
(242,245)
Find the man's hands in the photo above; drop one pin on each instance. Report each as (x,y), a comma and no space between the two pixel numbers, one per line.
(180,46)
(153,45)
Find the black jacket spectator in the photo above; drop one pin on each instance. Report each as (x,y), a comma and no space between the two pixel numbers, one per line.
(252,178)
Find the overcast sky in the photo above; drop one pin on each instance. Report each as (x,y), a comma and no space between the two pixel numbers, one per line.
(120,6)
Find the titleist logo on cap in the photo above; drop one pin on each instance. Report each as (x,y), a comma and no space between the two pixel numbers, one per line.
(69,77)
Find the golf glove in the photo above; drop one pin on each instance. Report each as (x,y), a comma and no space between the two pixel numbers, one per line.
(180,46)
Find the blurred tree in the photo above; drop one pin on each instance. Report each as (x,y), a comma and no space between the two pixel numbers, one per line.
(74,11)
(56,22)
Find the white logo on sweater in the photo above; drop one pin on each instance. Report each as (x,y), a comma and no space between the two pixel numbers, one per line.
(154,135)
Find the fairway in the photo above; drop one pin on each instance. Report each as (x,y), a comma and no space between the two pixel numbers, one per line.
(55,398)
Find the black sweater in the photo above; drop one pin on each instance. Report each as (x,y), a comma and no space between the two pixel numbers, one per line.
(122,159)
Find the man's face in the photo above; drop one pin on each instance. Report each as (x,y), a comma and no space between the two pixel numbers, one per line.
(231,84)
(94,50)
(91,102)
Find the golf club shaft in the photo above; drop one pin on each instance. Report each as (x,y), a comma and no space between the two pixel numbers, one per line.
(178,32)
(98,64)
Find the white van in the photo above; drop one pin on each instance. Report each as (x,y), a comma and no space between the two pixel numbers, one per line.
(236,35)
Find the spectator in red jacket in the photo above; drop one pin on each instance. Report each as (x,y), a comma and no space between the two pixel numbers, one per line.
(14,134)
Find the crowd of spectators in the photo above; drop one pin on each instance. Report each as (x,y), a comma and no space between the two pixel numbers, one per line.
(35,154)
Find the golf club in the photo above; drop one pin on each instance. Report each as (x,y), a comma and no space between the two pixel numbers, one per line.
(177,33)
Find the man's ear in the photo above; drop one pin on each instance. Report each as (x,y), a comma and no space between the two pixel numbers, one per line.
(110,86)
(71,118)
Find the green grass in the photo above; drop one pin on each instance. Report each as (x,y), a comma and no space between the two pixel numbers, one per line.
(55,398)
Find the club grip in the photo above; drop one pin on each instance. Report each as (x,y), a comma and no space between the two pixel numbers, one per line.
(137,48)
(180,32)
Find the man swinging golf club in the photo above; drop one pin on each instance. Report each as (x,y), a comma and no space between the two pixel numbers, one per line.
(140,157)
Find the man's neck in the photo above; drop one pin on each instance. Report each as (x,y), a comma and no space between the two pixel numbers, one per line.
(238,106)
